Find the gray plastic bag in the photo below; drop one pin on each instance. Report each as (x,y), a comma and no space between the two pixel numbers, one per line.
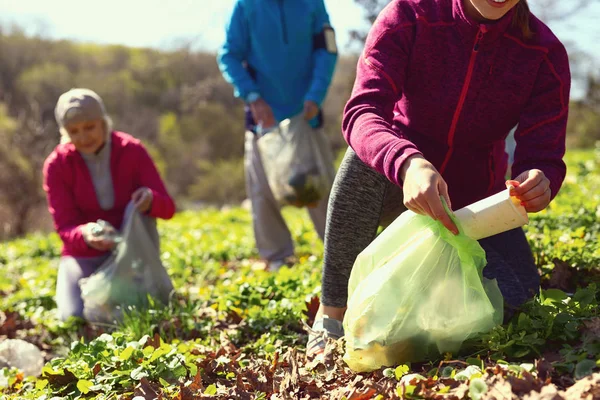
(131,274)
(20,354)
(298,162)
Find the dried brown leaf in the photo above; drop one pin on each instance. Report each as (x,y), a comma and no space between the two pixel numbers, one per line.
(257,379)
(548,392)
(9,324)
(525,385)
(362,394)
(329,358)
(544,370)
(234,317)
(561,275)
(460,391)
(592,329)
(240,384)
(291,378)
(60,380)
(312,307)
(227,346)
(147,390)
(498,389)
(586,388)
(275,362)
(197,382)
(186,393)
(154,341)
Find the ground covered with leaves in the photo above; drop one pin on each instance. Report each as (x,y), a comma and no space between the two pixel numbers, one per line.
(236,331)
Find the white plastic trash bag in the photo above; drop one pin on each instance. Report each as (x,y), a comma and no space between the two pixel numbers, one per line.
(23,355)
(298,162)
(127,277)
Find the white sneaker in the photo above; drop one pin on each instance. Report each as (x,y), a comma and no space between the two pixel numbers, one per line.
(322,329)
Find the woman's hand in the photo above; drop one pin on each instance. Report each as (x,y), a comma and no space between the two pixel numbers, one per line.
(142,199)
(533,189)
(98,237)
(422,186)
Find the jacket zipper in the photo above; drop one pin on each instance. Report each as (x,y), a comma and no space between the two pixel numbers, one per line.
(463,96)
(283,24)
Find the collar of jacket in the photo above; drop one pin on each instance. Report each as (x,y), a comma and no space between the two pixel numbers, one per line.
(69,149)
(469,27)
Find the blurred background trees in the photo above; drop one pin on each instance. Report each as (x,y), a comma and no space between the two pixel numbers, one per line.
(177,102)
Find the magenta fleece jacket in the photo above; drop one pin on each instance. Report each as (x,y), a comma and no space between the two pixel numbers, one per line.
(72,198)
(433,81)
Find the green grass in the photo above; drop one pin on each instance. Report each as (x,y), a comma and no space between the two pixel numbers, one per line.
(231,321)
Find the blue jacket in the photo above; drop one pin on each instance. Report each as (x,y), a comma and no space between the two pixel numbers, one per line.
(269,49)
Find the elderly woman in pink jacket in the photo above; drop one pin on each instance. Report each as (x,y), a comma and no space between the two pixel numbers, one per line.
(439,86)
(95,174)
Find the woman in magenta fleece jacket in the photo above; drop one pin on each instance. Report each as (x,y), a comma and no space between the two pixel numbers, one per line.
(96,174)
(439,85)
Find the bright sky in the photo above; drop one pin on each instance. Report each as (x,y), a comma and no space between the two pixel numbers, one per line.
(146,23)
(156,23)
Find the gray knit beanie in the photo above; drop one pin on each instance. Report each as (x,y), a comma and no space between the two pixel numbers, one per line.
(78,105)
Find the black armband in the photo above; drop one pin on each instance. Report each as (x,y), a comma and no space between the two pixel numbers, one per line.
(325,40)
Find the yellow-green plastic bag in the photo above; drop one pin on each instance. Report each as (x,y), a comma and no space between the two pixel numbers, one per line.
(415,292)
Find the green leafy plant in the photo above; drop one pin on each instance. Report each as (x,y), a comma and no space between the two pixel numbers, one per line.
(234,330)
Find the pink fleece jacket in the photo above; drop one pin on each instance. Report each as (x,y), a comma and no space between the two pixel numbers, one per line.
(71,195)
(433,81)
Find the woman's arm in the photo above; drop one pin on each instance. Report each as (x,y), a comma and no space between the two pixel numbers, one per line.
(68,221)
(540,136)
(368,115)
(162,205)
(378,86)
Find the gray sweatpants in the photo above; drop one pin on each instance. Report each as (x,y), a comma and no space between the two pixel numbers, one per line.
(363,199)
(72,269)
(273,238)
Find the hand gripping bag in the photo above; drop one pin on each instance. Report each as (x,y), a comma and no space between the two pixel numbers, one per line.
(415,292)
(131,274)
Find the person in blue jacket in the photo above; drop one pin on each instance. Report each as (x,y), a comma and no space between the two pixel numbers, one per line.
(280,56)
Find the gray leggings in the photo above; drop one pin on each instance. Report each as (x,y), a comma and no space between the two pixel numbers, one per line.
(73,269)
(363,199)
